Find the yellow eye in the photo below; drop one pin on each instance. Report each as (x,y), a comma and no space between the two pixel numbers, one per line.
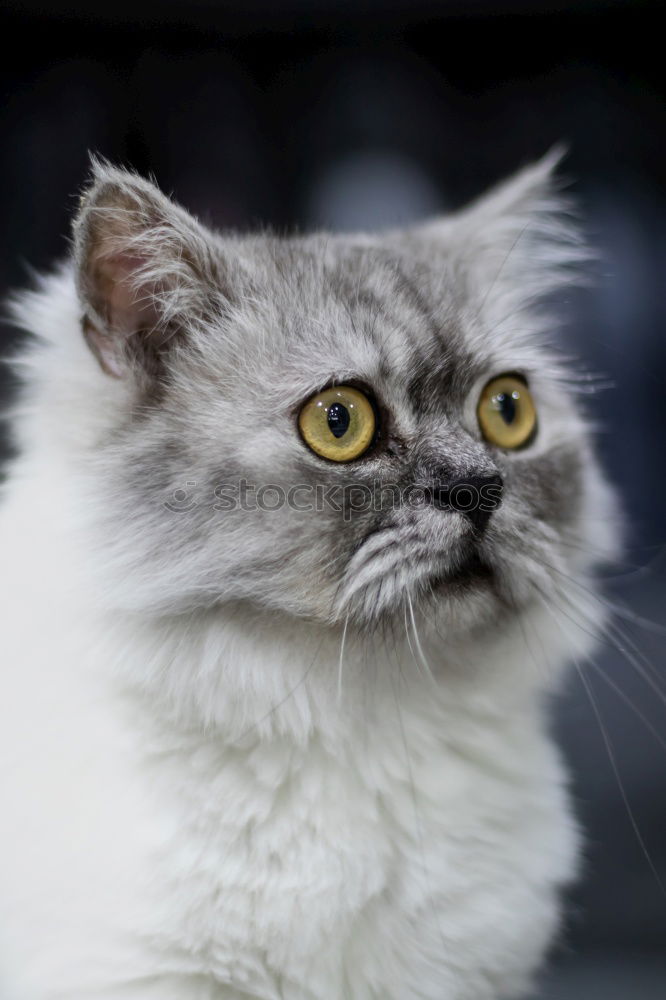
(338,423)
(506,412)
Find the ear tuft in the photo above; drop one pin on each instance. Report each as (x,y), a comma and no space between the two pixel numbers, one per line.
(143,267)
(516,244)
(527,191)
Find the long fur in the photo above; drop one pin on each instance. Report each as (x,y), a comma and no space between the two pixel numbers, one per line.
(270,754)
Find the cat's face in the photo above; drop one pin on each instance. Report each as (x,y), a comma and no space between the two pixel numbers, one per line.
(314,425)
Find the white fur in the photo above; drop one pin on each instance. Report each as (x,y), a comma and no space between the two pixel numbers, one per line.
(192,811)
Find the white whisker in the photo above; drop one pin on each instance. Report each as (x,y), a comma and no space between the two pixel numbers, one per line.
(611,754)
(417,641)
(340,661)
(618,778)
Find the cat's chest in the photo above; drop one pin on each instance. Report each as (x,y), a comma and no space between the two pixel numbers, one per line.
(274,845)
(279,860)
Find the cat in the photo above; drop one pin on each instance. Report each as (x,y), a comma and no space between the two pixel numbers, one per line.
(295,547)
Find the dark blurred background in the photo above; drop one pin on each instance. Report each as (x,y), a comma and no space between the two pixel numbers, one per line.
(350,115)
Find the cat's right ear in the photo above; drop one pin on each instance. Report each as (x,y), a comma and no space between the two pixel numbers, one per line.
(147,272)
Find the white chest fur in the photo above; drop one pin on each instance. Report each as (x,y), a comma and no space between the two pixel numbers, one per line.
(407,840)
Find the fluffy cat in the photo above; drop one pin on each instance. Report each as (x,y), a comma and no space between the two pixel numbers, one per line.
(292,749)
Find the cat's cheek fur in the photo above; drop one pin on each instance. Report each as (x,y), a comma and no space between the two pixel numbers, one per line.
(212,788)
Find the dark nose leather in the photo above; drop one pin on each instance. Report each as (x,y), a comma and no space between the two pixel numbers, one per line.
(477,497)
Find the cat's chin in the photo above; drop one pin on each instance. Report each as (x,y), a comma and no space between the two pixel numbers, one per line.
(472,574)
(466,600)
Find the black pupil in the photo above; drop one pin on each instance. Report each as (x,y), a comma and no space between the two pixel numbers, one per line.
(506,404)
(338,419)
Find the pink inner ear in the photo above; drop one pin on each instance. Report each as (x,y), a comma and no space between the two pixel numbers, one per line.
(121,298)
(124,305)
(106,348)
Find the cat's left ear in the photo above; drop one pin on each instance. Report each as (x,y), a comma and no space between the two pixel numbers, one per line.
(147,272)
(514,245)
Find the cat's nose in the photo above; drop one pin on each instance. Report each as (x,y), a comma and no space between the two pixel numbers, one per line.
(477,497)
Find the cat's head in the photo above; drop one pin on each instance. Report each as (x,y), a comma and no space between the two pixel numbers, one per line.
(337,427)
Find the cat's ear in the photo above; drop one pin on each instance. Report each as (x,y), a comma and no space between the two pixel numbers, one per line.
(516,244)
(146,270)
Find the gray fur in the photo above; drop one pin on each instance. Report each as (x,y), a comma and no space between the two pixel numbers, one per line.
(222,338)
